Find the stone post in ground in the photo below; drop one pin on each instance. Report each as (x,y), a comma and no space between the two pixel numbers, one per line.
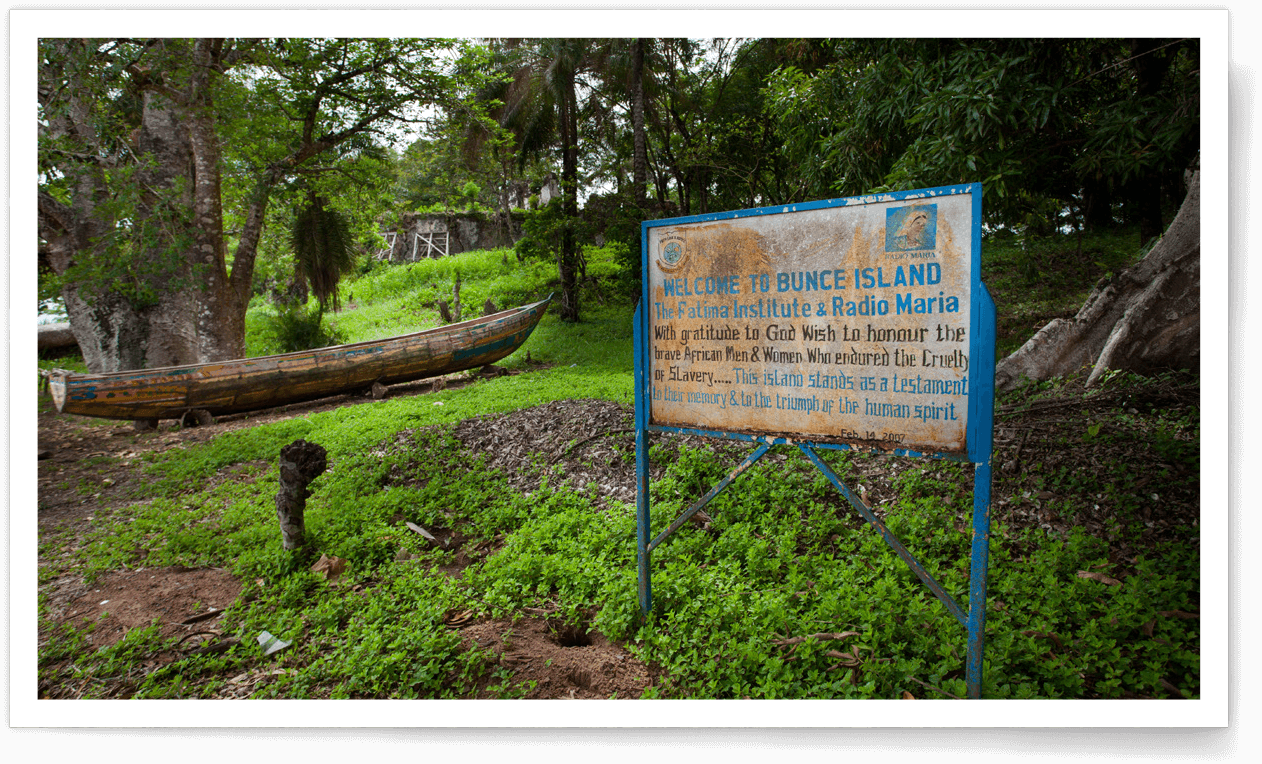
(300,463)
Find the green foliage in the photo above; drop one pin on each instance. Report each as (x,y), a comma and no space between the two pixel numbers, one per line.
(69,363)
(1036,121)
(118,200)
(542,230)
(785,556)
(1074,635)
(1036,279)
(322,251)
(142,256)
(470,192)
(397,299)
(618,221)
(475,210)
(290,327)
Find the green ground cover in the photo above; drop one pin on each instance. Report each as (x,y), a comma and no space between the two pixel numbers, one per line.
(783,557)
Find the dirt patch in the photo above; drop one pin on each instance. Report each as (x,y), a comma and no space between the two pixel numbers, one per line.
(118,601)
(561,660)
(87,467)
(593,440)
(86,463)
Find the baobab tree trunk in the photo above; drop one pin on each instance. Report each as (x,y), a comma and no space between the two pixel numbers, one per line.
(172,303)
(1146,319)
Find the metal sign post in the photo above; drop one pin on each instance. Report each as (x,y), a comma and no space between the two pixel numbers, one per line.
(855,323)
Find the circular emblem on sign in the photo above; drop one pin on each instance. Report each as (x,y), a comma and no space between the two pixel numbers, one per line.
(672,253)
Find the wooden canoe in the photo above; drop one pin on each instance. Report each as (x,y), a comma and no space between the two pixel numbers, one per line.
(248,384)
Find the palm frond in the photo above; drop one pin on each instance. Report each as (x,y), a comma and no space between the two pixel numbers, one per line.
(323,250)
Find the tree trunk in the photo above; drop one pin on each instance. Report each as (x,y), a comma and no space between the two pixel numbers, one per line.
(1144,206)
(168,302)
(1151,64)
(1145,319)
(640,160)
(568,256)
(300,463)
(219,322)
(1098,204)
(133,217)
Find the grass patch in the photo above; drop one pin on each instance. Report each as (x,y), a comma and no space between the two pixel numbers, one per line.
(785,556)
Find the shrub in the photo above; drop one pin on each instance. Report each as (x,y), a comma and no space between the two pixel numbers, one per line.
(295,327)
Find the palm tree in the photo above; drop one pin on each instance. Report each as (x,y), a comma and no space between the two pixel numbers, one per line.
(624,66)
(538,104)
(323,250)
(640,163)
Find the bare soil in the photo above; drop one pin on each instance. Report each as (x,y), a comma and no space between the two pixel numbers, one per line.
(557,660)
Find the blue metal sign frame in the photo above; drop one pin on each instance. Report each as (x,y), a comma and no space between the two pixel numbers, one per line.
(979,429)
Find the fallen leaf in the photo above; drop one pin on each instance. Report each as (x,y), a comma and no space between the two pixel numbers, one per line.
(214,648)
(331,567)
(846,659)
(1178,614)
(1170,688)
(1148,627)
(201,617)
(418,529)
(1043,635)
(457,618)
(908,696)
(1099,577)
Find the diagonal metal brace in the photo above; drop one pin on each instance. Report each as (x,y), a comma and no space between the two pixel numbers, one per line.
(715,491)
(947,600)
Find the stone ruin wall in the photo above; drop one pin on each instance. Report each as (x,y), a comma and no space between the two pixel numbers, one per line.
(465,232)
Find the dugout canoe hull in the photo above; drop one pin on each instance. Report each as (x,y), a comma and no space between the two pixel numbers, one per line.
(249,384)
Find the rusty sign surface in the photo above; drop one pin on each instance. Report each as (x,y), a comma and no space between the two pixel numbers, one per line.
(842,321)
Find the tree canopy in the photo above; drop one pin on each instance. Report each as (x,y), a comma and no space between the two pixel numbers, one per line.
(1045,124)
(169,165)
(159,158)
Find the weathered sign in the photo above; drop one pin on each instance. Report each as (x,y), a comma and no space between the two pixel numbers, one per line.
(836,324)
(843,321)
